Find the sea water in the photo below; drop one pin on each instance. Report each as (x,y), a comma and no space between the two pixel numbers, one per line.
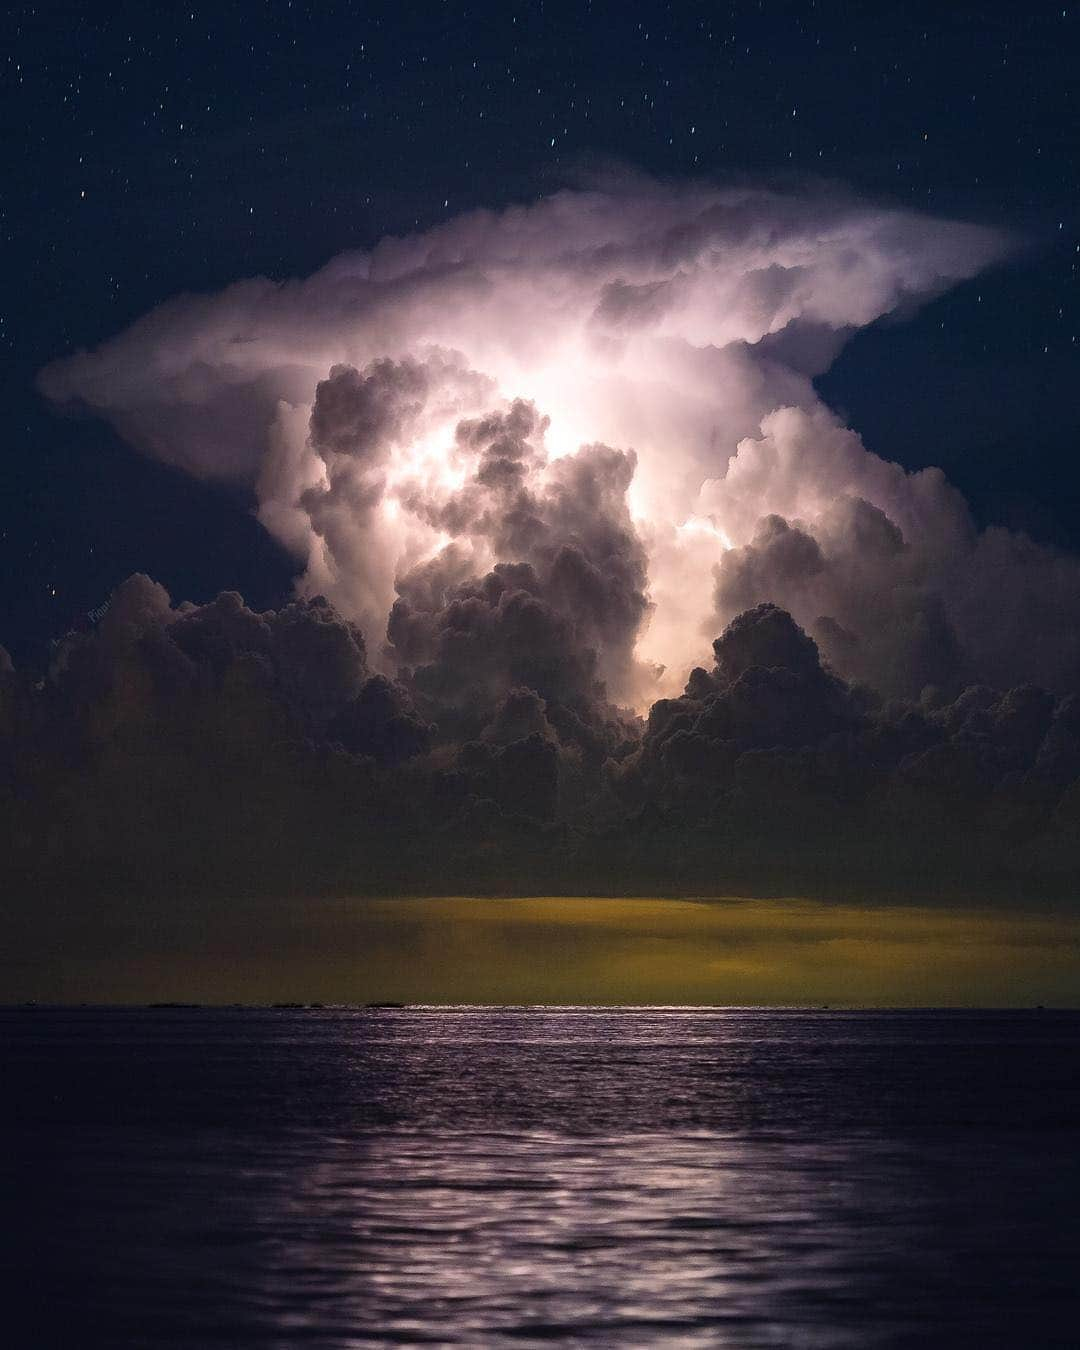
(539,1176)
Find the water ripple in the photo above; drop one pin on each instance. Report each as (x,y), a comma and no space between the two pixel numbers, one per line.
(476,1177)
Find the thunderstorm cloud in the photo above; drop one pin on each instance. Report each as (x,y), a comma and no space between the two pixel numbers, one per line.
(593,589)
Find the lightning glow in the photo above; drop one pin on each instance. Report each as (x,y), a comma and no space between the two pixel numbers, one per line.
(680,325)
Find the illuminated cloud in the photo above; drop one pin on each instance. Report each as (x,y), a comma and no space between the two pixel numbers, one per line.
(680,326)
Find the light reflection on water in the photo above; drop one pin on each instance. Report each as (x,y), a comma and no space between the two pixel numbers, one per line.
(538,1177)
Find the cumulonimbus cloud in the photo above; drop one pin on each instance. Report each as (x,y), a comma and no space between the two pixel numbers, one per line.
(611,389)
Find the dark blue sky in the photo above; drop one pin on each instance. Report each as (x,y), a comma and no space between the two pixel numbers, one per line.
(181,147)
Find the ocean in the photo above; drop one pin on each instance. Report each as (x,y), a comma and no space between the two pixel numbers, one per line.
(339,1177)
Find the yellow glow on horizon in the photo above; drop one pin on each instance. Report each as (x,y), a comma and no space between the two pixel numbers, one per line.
(553,950)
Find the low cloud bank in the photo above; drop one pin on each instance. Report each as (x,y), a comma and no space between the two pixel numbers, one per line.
(215,748)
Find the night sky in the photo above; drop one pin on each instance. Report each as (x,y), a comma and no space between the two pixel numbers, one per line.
(170,148)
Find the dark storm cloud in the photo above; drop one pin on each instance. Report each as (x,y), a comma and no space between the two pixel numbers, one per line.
(908,615)
(216,747)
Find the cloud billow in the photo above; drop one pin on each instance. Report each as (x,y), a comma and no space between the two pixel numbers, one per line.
(530,464)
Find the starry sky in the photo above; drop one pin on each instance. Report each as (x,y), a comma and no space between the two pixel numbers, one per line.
(157,149)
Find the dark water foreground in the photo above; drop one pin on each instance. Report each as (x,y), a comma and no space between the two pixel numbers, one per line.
(516,1177)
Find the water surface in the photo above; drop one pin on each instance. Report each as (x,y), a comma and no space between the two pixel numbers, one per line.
(516,1177)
